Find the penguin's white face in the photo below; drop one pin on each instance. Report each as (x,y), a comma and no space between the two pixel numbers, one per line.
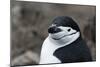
(64,33)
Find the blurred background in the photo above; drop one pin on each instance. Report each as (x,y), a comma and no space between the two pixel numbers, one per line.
(30,22)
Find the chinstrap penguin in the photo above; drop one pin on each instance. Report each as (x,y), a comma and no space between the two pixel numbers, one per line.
(64,43)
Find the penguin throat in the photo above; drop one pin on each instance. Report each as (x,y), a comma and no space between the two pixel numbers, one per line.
(66,40)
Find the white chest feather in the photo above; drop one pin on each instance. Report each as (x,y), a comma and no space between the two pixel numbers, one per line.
(47,53)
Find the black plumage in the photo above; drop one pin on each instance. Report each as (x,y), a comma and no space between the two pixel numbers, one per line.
(74,52)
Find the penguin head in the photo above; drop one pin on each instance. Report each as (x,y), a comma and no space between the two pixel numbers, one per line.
(63,28)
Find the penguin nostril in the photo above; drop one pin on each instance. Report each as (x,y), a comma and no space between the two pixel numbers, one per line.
(68,30)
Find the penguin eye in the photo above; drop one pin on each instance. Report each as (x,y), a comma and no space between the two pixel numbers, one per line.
(68,30)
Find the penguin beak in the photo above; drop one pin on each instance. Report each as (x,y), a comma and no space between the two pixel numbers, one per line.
(54,29)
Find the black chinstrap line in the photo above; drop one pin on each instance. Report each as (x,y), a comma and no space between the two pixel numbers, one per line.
(64,36)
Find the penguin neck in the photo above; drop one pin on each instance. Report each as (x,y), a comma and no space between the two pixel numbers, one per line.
(65,41)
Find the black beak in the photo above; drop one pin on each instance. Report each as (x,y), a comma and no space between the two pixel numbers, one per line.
(54,29)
